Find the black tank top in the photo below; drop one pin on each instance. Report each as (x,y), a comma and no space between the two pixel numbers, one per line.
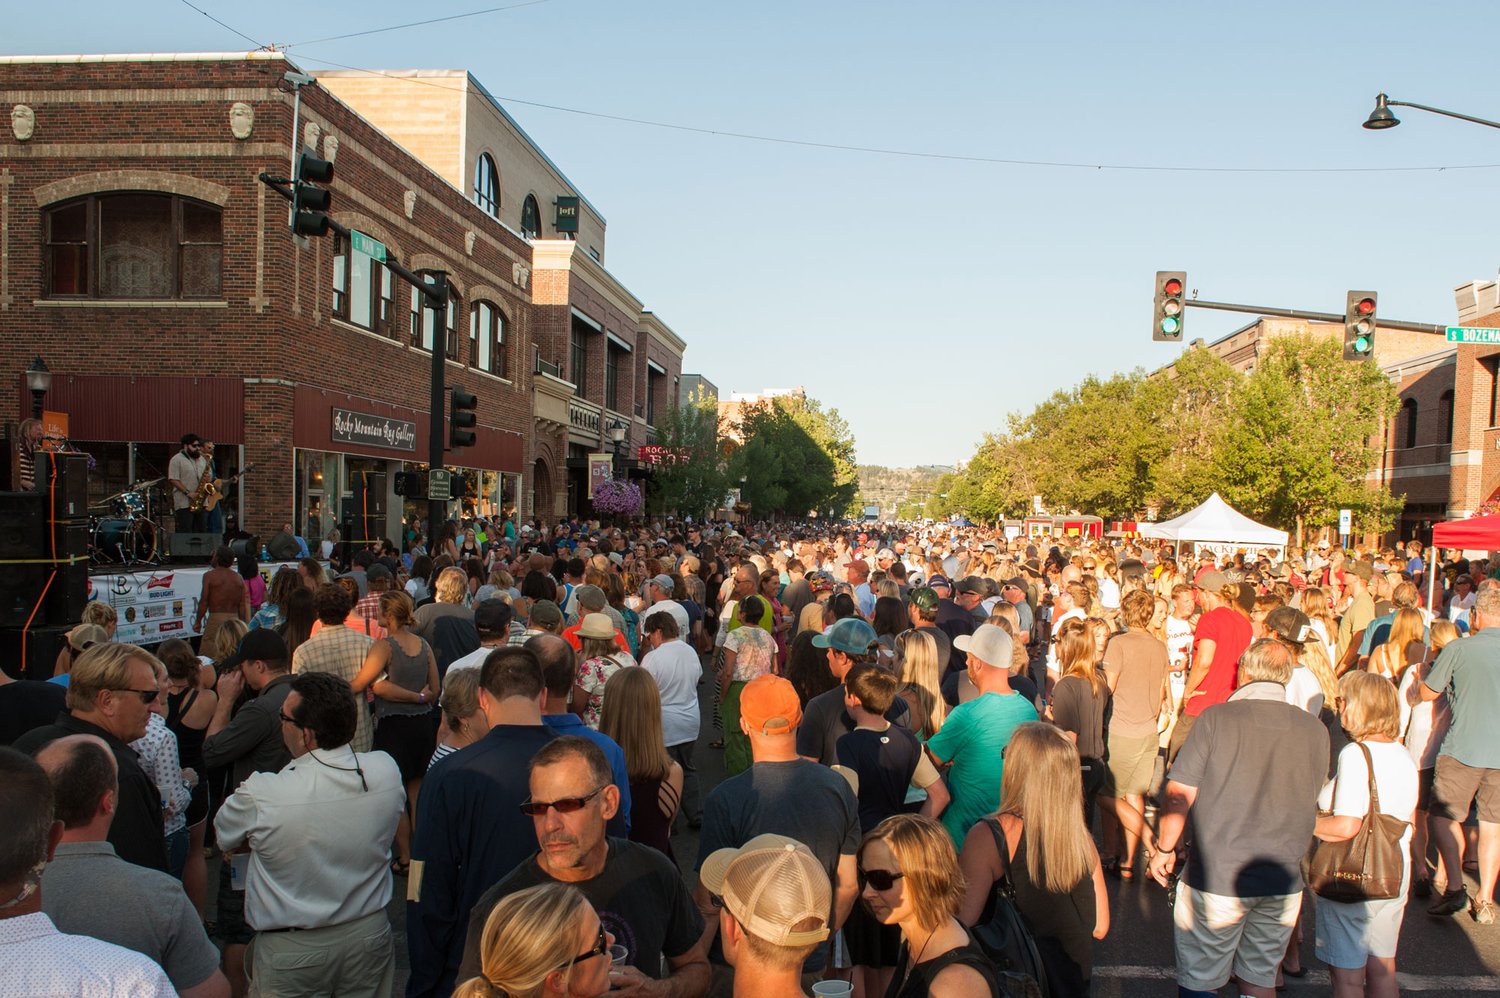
(1061,923)
(189,740)
(918,983)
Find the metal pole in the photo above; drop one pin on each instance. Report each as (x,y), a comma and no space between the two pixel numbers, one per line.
(1294,313)
(435,295)
(1450,114)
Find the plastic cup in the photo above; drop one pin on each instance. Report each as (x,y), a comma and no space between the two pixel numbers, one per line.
(833,989)
(618,955)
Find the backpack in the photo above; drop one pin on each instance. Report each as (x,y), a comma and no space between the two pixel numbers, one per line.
(1005,938)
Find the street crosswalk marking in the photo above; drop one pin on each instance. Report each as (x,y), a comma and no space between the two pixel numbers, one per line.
(1443,983)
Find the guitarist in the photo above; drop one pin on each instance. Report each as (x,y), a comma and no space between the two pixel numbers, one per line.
(185,473)
(213,511)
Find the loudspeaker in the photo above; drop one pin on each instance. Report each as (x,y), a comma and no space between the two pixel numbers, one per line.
(42,645)
(369,493)
(68,595)
(23,524)
(20,589)
(245,545)
(193,547)
(70,492)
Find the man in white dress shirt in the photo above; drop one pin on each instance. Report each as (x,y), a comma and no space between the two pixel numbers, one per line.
(319,833)
(36,959)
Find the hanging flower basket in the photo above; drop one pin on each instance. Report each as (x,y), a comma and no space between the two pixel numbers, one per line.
(618,497)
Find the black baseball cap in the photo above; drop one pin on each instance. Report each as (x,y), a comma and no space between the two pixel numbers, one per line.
(259,645)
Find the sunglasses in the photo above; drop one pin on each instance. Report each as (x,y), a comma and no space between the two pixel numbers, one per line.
(567,805)
(881,880)
(147,696)
(601,946)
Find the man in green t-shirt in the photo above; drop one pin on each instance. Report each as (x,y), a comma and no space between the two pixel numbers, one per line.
(975,733)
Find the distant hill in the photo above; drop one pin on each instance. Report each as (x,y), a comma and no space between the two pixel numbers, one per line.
(889,487)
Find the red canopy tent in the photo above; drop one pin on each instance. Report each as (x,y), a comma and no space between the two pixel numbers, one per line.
(1476,532)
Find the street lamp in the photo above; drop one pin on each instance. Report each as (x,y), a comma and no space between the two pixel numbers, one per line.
(1382,117)
(39,381)
(616,431)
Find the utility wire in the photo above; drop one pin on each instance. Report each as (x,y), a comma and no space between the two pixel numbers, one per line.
(221,24)
(418,24)
(918,154)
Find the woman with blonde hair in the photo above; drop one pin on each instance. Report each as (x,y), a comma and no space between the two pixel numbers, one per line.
(1423,725)
(1079,702)
(909,877)
(1358,939)
(1047,854)
(1403,648)
(632,717)
(921,676)
(541,942)
(1315,604)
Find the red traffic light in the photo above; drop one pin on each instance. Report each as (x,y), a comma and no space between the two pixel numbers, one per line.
(1365,306)
(1172,287)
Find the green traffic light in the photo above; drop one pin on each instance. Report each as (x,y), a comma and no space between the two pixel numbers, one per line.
(1171,325)
(1362,344)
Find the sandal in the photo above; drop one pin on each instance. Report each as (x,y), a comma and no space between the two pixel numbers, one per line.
(1110,865)
(1126,872)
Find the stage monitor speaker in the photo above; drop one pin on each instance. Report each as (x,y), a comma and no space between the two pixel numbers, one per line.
(42,645)
(246,545)
(72,485)
(20,591)
(193,547)
(23,524)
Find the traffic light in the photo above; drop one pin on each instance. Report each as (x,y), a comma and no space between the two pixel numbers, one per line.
(310,204)
(461,418)
(1167,322)
(1359,325)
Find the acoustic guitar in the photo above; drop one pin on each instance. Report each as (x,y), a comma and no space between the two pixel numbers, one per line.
(211,490)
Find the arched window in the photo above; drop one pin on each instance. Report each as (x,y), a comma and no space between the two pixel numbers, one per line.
(1409,422)
(531,218)
(1445,414)
(421,323)
(134,245)
(487,185)
(487,338)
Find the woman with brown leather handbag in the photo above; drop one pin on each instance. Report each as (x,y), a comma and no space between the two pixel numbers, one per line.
(1361,866)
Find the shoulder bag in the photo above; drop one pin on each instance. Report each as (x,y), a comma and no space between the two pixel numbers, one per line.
(1366,867)
(1005,938)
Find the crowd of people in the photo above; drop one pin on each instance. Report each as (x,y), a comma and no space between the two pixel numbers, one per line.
(939,745)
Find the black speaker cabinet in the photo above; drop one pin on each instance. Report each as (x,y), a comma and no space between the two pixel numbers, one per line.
(193,547)
(42,645)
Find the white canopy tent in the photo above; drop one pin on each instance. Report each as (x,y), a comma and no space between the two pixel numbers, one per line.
(1216,523)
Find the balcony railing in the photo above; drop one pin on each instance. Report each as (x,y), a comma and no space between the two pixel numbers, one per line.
(546,367)
(583,415)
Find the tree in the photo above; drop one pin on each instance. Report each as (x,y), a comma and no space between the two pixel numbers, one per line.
(692,480)
(795,459)
(1185,406)
(1303,432)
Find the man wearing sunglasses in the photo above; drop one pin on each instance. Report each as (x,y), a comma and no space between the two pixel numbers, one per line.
(110,696)
(638,893)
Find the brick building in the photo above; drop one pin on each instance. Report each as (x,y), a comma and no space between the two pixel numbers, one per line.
(141,259)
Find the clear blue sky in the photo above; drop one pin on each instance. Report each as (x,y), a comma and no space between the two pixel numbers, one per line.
(924,298)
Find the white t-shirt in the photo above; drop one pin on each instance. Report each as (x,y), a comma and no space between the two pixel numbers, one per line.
(677,610)
(1074,614)
(1423,722)
(1395,780)
(1304,691)
(1109,593)
(677,669)
(1179,641)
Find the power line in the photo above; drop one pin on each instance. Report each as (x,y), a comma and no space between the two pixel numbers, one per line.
(919,154)
(221,24)
(418,24)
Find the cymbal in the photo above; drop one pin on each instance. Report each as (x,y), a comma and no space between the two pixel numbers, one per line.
(142,486)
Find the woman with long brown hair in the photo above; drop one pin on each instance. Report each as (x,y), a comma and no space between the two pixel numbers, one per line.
(1078,704)
(632,717)
(1047,853)
(402,671)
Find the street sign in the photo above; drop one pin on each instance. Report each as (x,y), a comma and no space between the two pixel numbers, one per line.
(440,484)
(1473,334)
(1346,522)
(366,245)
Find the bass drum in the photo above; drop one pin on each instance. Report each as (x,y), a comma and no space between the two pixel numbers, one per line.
(125,540)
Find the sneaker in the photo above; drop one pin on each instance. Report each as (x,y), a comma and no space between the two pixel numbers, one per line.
(1483,911)
(1450,903)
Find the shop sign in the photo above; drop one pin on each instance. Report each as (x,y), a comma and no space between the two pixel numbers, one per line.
(374,431)
(601,471)
(567,213)
(662,454)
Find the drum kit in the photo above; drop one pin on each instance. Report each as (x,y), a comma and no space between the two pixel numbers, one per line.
(122,529)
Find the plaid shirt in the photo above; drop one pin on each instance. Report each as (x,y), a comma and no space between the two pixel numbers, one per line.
(368,607)
(338,650)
